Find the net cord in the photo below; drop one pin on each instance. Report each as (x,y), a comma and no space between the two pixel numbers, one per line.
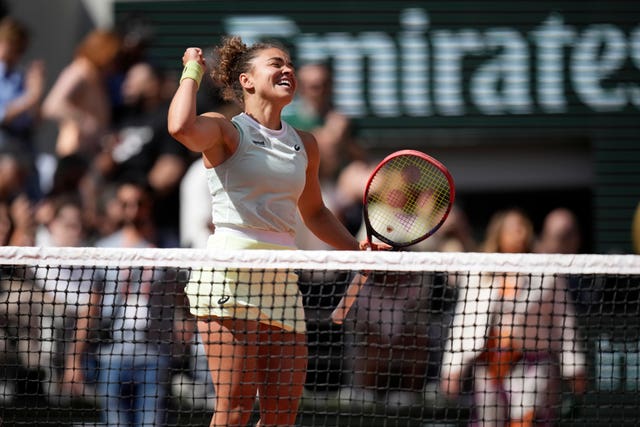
(471,262)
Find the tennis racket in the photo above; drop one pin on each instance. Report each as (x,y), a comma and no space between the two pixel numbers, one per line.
(407,198)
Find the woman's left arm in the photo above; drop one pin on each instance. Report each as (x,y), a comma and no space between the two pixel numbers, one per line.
(315,214)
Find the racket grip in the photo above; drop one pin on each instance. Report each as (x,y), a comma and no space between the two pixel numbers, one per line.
(342,309)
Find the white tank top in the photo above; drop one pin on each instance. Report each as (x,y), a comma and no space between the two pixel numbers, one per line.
(258,187)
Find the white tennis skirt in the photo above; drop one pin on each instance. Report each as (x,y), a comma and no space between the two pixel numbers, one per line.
(267,296)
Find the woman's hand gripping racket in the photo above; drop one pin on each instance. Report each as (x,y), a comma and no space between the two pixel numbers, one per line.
(407,198)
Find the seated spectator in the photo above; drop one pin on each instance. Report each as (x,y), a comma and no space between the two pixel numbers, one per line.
(21,92)
(66,226)
(137,229)
(20,229)
(387,354)
(67,286)
(509,231)
(140,142)
(454,235)
(27,315)
(131,315)
(313,111)
(514,336)
(191,383)
(108,215)
(79,99)
(349,192)
(136,34)
(560,233)
(70,177)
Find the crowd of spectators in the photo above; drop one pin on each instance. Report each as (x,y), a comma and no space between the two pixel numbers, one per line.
(112,179)
(119,180)
(109,107)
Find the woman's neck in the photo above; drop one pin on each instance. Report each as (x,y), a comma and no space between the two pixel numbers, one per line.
(267,114)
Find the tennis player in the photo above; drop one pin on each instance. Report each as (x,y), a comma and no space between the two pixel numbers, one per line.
(260,172)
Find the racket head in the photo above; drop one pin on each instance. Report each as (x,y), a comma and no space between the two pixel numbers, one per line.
(407,198)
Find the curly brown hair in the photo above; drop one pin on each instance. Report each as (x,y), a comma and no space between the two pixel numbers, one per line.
(232,58)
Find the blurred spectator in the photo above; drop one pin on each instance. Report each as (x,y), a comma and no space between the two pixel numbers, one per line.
(67,286)
(69,178)
(560,233)
(396,329)
(515,336)
(21,227)
(136,35)
(66,226)
(137,229)
(191,382)
(21,92)
(387,355)
(509,231)
(79,99)
(131,316)
(313,111)
(455,235)
(349,192)
(140,147)
(27,314)
(109,212)
(132,311)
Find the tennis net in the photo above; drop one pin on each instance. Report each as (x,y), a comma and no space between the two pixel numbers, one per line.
(433,339)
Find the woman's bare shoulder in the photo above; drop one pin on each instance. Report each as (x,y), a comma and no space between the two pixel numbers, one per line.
(309,141)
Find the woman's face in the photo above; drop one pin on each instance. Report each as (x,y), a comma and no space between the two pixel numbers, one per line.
(272,76)
(67,227)
(515,235)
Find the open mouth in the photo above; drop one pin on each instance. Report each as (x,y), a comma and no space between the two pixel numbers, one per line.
(285,82)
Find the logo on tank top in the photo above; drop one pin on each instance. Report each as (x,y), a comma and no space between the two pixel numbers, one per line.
(258,142)
(223,299)
(296,147)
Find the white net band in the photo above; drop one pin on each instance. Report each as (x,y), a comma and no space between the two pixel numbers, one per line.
(431,339)
(326,260)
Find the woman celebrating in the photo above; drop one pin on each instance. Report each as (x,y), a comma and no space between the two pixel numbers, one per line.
(260,172)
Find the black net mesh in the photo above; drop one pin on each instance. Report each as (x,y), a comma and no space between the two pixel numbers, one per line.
(107,338)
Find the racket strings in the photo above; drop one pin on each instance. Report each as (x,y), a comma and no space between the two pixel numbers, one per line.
(407,199)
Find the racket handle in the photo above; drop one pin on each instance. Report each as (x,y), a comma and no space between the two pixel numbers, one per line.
(342,309)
